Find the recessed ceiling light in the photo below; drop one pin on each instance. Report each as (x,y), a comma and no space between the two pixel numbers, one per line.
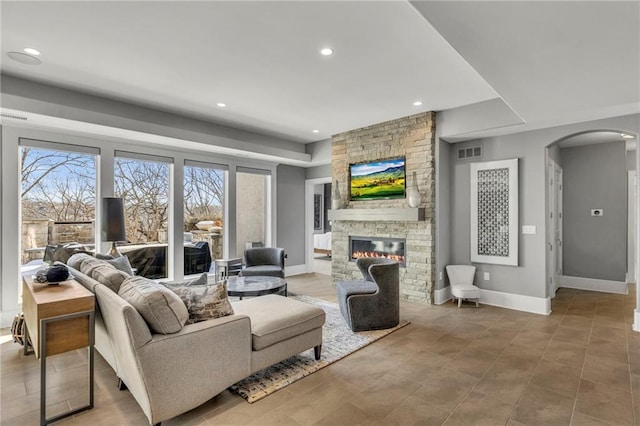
(625,136)
(316,131)
(417,103)
(221,104)
(327,51)
(31,51)
(23,58)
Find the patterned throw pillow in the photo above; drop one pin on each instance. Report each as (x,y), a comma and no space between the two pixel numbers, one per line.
(204,301)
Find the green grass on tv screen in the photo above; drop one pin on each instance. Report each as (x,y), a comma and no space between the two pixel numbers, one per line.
(390,185)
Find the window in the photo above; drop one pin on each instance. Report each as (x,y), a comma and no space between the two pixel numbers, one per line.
(204,195)
(58,198)
(143,183)
(253,188)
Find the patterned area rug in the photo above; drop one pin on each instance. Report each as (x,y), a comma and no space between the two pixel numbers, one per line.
(338,341)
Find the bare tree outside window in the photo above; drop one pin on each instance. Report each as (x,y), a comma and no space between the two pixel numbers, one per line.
(58,197)
(144,186)
(57,185)
(203,195)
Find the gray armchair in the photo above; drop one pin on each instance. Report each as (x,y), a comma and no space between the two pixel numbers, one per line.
(264,261)
(373,303)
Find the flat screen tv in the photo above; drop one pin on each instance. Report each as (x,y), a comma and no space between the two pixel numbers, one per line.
(377,180)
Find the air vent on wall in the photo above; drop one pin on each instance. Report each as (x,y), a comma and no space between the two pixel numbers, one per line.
(13,116)
(469,152)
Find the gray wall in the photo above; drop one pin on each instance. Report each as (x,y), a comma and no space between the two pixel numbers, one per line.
(529,277)
(290,213)
(318,172)
(443,207)
(595,176)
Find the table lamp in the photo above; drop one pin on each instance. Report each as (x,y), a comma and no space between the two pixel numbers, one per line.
(113,227)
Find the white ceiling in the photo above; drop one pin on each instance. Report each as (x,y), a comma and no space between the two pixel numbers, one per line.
(550,63)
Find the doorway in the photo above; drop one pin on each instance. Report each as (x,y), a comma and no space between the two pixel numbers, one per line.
(590,212)
(315,225)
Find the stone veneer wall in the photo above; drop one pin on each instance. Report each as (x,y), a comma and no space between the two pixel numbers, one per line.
(414,138)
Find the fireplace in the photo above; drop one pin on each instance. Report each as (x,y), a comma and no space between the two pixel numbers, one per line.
(389,248)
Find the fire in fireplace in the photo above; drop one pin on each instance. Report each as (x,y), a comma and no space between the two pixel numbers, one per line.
(389,248)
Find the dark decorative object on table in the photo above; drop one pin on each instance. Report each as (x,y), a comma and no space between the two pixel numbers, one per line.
(53,274)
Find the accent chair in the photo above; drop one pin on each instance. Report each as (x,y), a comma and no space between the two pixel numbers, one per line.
(264,261)
(461,281)
(372,303)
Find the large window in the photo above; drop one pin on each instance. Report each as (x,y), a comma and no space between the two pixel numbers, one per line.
(253,187)
(204,186)
(58,198)
(144,186)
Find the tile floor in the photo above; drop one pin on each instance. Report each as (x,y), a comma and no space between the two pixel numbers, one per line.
(487,366)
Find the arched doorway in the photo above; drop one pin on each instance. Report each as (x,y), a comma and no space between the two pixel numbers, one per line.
(592,211)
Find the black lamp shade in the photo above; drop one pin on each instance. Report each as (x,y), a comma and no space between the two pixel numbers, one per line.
(113,228)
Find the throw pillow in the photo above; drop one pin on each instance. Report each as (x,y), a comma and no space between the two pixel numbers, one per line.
(121,263)
(161,308)
(204,301)
(109,276)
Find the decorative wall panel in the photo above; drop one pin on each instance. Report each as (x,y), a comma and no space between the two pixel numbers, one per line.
(494,212)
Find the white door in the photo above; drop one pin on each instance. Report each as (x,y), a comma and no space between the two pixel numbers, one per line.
(554,225)
(558,221)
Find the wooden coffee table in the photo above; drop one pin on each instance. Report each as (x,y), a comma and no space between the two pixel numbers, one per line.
(255,286)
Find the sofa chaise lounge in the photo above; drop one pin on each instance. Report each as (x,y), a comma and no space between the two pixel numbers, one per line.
(170,374)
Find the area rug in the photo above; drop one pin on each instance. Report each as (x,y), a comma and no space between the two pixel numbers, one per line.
(338,341)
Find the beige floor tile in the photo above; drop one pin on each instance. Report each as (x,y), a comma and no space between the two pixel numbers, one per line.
(446,388)
(480,408)
(566,353)
(347,414)
(415,411)
(314,404)
(385,395)
(609,351)
(540,406)
(504,384)
(580,419)
(520,357)
(473,362)
(420,366)
(607,372)
(605,403)
(576,336)
(558,377)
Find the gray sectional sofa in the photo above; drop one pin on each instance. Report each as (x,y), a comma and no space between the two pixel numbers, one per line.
(173,373)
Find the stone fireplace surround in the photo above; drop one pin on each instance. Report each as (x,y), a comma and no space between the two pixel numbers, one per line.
(414,138)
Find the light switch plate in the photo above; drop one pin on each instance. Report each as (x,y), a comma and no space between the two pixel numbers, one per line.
(486,276)
(529,229)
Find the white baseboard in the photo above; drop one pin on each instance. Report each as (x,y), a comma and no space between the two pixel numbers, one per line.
(605,286)
(295,270)
(636,321)
(518,302)
(442,295)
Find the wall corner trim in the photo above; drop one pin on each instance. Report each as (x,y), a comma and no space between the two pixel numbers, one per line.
(518,302)
(442,295)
